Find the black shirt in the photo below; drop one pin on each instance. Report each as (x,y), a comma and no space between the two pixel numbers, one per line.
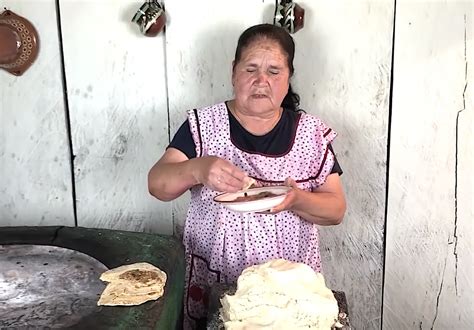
(276,142)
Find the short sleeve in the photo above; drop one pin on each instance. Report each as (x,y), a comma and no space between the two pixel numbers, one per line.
(336,168)
(183,141)
(325,161)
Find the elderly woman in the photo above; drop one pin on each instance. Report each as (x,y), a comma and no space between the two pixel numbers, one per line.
(262,135)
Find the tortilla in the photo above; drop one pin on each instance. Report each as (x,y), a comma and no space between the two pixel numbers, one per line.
(280,294)
(249,182)
(122,295)
(132,285)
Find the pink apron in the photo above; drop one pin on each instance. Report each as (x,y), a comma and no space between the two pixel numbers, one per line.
(220,244)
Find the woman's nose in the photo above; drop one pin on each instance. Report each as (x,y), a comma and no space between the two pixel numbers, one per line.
(261,77)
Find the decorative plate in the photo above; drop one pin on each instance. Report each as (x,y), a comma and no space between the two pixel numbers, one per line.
(18,43)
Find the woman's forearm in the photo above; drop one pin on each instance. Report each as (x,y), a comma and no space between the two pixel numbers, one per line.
(174,173)
(322,208)
(167,181)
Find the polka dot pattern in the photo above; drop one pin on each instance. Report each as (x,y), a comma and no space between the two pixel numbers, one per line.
(229,241)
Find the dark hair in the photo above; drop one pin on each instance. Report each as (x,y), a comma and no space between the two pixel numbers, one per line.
(284,39)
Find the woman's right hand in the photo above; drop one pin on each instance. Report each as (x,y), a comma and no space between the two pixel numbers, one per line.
(219,174)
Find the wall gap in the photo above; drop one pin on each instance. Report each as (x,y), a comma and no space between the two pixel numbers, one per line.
(389,134)
(66,110)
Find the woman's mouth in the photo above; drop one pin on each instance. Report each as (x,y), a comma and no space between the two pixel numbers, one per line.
(259,96)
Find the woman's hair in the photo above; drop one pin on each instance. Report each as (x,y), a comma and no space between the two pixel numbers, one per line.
(284,39)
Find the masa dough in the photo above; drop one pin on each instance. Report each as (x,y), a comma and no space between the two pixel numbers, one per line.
(280,294)
(132,285)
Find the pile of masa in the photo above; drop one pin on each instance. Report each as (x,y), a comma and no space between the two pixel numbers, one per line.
(280,294)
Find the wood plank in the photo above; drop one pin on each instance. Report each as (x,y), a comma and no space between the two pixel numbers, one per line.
(429,263)
(35,175)
(199,58)
(117,100)
(349,92)
(342,73)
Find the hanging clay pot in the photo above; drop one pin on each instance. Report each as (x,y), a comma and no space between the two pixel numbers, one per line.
(289,15)
(18,43)
(150,18)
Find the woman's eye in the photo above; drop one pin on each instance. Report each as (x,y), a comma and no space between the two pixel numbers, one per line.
(250,70)
(274,71)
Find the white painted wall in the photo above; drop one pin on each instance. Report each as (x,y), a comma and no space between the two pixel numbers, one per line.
(118,83)
(342,73)
(119,118)
(429,266)
(35,175)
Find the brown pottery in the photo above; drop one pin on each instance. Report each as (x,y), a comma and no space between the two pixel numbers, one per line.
(18,43)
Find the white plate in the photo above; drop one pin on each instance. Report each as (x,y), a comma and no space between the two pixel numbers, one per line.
(259,205)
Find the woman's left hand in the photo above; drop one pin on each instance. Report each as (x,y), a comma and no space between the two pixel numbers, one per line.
(290,198)
(325,205)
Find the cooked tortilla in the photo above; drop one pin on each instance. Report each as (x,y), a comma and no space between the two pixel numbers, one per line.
(132,285)
(121,294)
(280,294)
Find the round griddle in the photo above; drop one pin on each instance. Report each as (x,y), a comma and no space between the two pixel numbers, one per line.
(74,251)
(47,286)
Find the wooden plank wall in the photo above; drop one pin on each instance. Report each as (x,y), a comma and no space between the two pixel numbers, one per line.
(127,94)
(429,264)
(117,103)
(35,177)
(343,69)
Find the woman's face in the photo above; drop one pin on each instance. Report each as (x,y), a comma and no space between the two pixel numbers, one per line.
(261,77)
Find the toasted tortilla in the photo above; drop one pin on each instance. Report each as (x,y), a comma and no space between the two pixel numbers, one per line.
(140,273)
(132,285)
(122,295)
